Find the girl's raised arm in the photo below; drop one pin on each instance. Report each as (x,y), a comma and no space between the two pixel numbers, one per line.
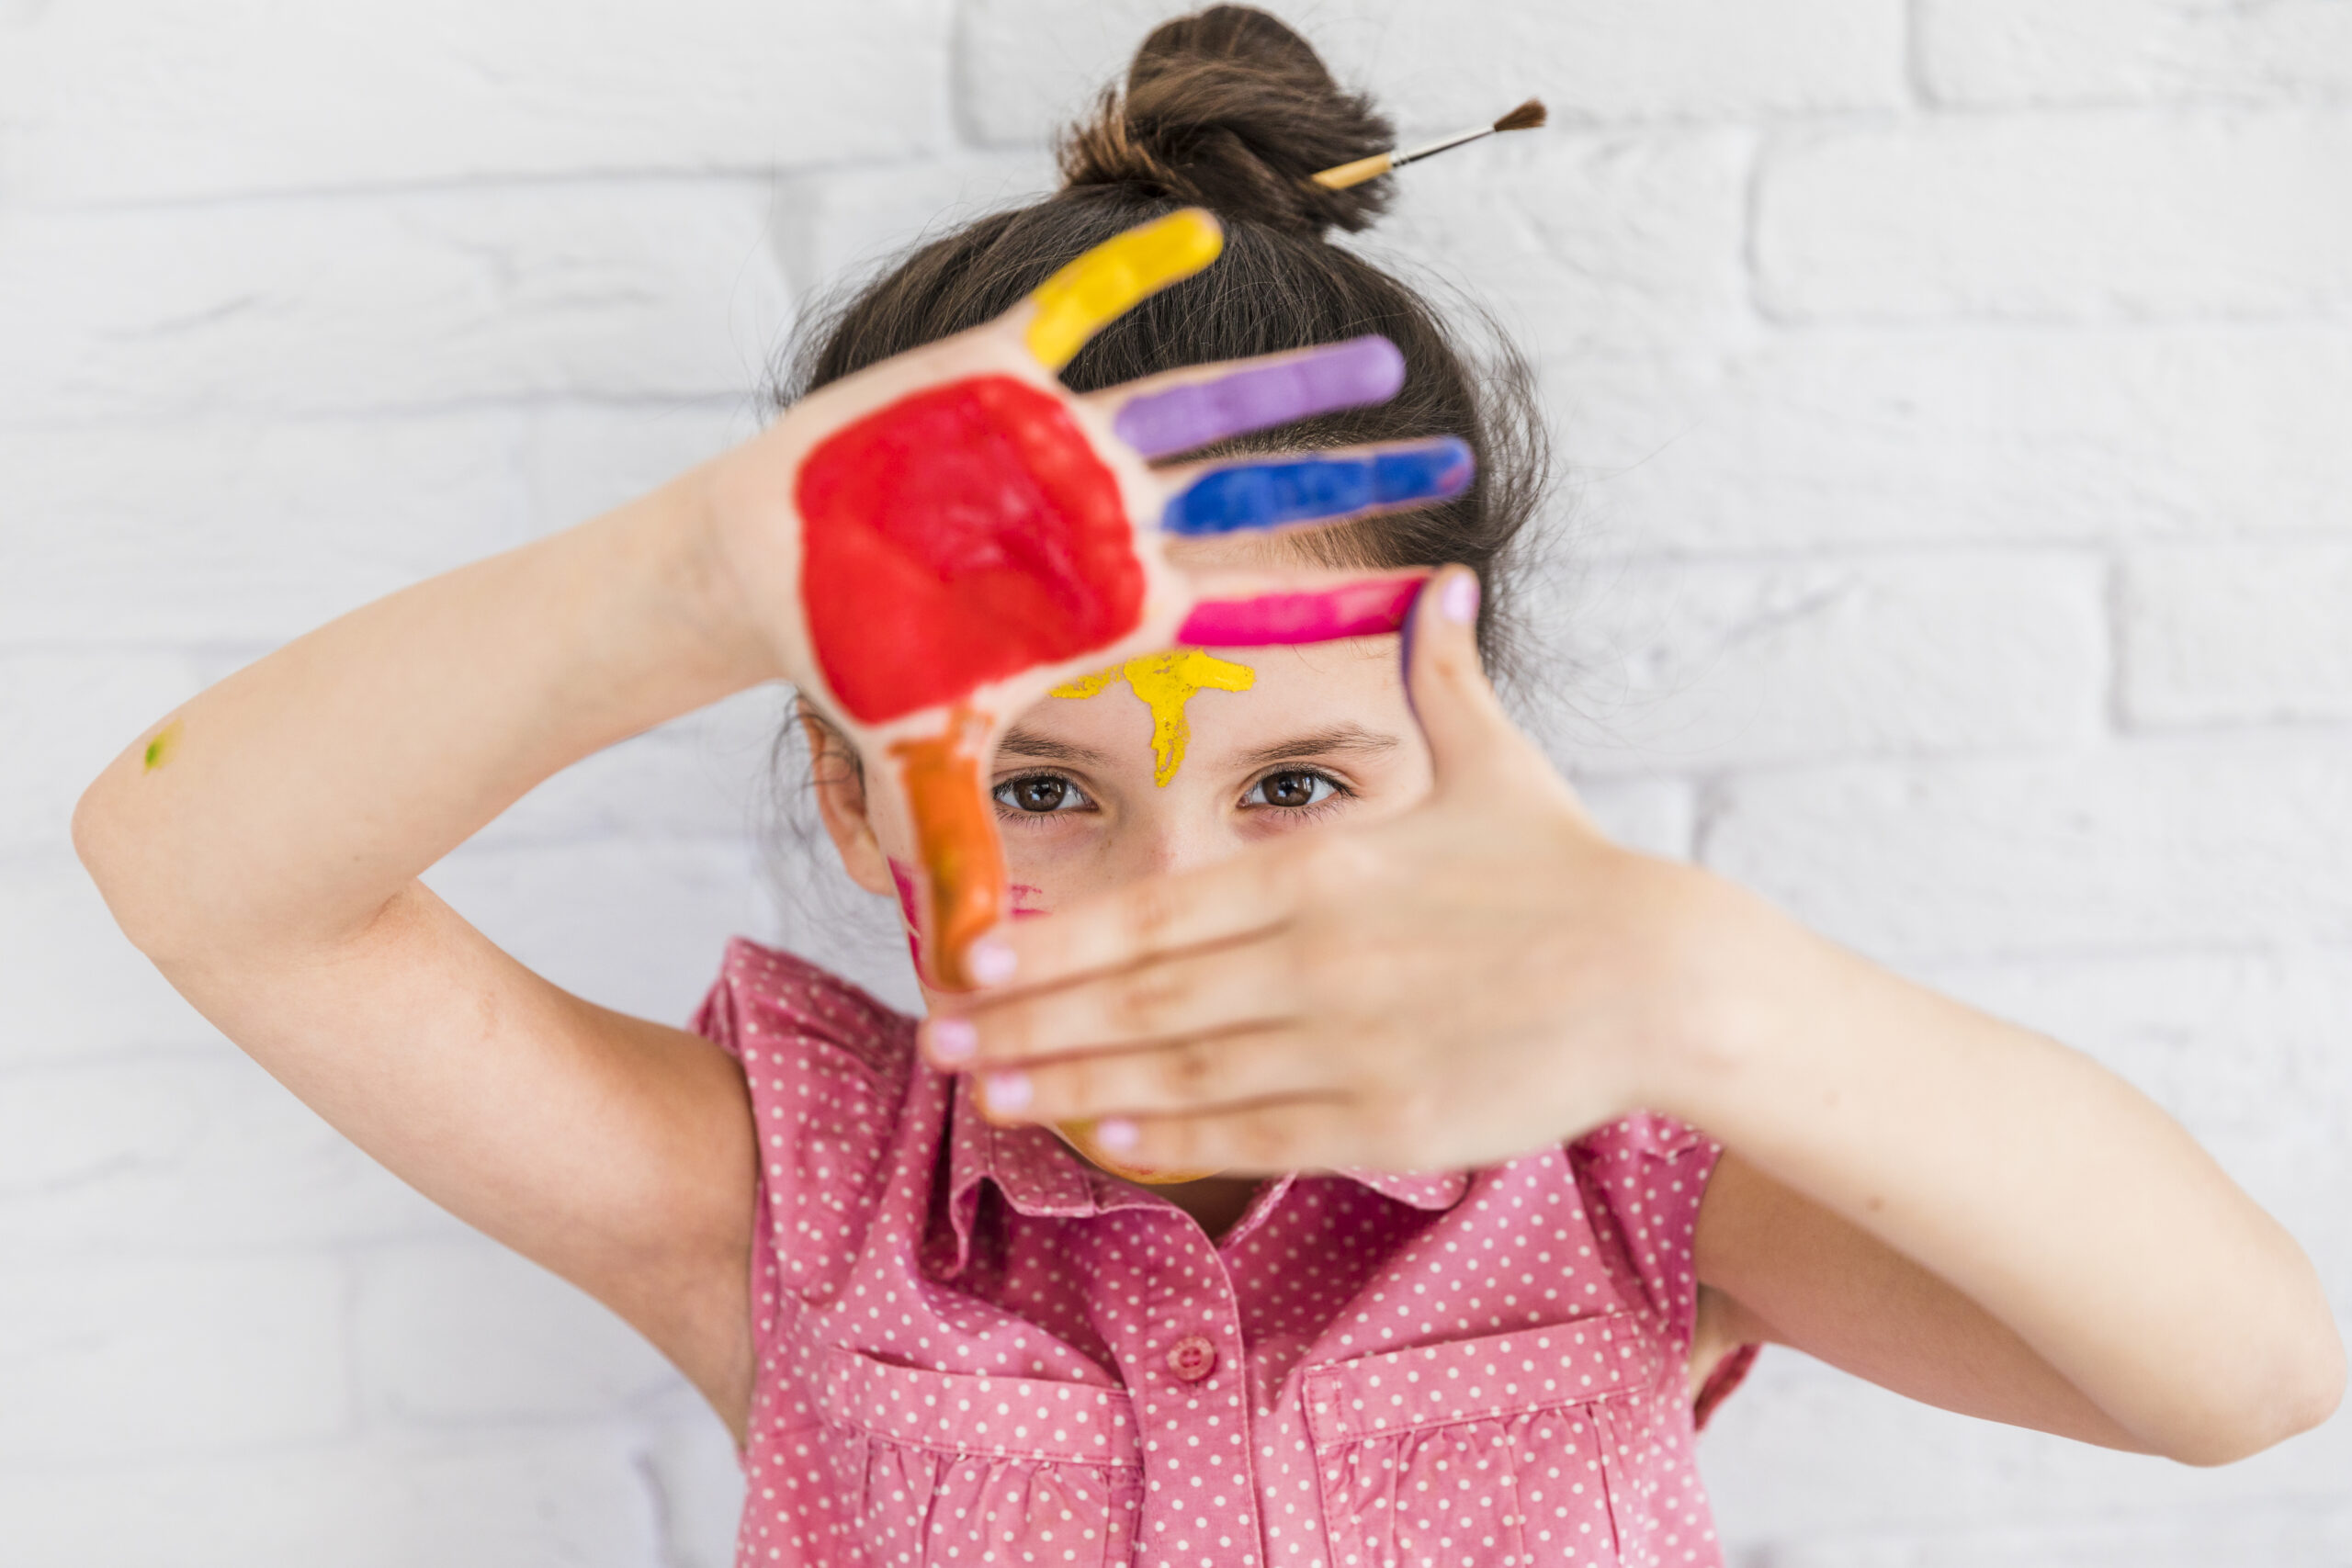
(261,845)
(925,548)
(1948,1204)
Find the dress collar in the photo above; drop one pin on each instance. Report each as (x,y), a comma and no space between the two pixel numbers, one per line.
(1040,1175)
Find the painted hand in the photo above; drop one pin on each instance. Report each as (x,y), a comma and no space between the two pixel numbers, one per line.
(952,533)
(1480,977)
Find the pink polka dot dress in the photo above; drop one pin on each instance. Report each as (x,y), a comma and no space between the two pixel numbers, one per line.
(975,1349)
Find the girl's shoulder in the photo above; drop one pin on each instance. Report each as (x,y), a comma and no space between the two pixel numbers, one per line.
(768,1000)
(1643,1178)
(832,1077)
(1645,1135)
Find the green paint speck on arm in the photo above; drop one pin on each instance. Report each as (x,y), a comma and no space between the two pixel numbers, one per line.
(160,749)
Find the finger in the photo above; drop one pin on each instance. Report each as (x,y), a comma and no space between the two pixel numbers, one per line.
(1238,610)
(1459,713)
(1202,991)
(1185,409)
(1082,1137)
(1201,1074)
(958,856)
(1103,284)
(1267,492)
(1307,1133)
(1221,903)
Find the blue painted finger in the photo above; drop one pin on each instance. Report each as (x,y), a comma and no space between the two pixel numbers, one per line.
(1303,490)
(1336,376)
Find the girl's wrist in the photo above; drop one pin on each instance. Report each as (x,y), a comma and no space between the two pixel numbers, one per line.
(660,625)
(709,582)
(1734,969)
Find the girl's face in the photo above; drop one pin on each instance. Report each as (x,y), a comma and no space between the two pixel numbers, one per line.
(1321,736)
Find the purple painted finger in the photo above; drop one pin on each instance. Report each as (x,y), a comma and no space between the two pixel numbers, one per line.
(1337,376)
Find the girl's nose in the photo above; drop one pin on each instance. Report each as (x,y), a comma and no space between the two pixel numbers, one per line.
(1165,844)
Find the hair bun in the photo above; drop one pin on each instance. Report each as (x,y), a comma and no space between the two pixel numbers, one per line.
(1230,109)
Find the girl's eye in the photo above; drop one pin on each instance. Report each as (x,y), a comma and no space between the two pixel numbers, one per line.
(1292,790)
(1039,794)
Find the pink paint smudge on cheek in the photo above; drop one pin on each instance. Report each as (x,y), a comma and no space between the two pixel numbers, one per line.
(903,879)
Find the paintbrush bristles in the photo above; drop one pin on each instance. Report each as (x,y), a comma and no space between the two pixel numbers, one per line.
(1527,117)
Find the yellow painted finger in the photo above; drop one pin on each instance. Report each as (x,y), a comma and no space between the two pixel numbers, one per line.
(1090,292)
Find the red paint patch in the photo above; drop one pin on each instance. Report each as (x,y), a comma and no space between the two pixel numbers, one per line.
(957,536)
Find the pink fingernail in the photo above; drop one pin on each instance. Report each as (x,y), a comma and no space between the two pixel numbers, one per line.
(989,962)
(1459,599)
(1116,1135)
(952,1039)
(1008,1091)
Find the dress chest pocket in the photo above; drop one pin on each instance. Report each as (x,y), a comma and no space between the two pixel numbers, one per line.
(1509,1448)
(952,1467)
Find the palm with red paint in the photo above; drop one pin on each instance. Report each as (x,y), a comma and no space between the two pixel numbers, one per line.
(945,537)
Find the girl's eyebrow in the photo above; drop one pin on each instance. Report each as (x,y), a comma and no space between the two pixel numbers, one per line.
(1342,737)
(1029,743)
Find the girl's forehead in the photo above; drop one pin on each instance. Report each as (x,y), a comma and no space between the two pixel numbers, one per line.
(1351,666)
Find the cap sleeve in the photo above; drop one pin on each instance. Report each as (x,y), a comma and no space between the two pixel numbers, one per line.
(1729,1374)
(827,1067)
(1642,1176)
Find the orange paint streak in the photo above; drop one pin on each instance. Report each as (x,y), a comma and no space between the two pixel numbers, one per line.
(963,865)
(1080,1136)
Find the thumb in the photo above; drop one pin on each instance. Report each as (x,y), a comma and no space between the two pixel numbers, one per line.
(1446,684)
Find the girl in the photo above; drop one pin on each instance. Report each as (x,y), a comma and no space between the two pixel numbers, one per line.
(1323,1182)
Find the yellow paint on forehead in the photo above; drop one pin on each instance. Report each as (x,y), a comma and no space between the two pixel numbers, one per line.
(1166,682)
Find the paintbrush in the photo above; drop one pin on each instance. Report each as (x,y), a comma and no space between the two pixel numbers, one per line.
(1527,117)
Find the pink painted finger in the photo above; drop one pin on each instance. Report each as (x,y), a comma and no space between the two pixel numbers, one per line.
(1259,395)
(1363,606)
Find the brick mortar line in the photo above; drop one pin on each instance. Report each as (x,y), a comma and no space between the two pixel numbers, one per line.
(533,403)
(1915,70)
(1911,112)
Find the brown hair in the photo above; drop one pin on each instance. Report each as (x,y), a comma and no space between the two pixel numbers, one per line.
(1229,109)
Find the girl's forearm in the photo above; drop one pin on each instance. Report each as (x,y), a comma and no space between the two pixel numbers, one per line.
(286,805)
(2042,1186)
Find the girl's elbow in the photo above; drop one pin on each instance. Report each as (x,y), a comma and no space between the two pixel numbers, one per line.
(109,851)
(2318,1388)
(98,838)
(121,857)
(2305,1390)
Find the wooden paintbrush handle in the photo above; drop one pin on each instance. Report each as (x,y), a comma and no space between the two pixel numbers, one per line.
(1345,174)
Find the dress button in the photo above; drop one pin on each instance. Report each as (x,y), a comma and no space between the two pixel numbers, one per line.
(1192,1358)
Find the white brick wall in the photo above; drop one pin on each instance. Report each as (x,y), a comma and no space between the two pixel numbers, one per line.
(2010,52)
(1955,398)
(2057,217)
